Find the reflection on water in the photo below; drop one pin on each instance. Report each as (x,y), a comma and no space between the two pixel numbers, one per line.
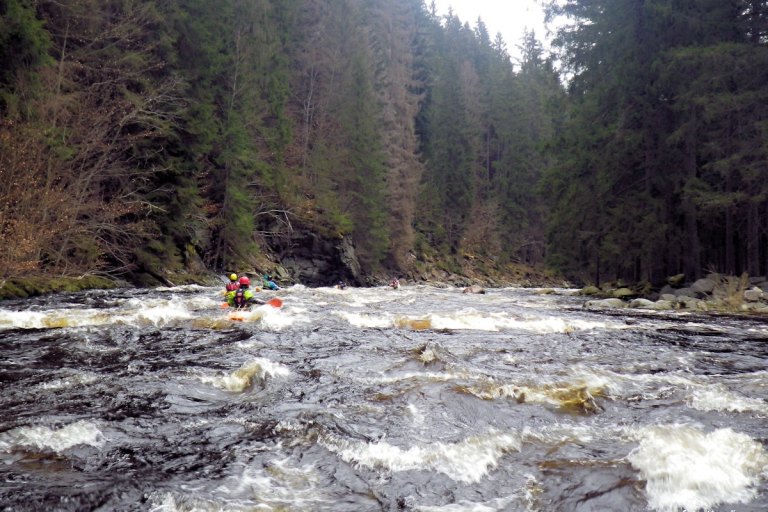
(420,399)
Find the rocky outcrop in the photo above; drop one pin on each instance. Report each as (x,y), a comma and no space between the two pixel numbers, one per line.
(316,261)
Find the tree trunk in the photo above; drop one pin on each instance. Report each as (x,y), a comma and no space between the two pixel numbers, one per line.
(753,240)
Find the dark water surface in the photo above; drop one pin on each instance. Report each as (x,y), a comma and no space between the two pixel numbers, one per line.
(418,399)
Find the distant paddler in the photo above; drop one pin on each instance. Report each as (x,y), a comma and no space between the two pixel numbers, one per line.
(269,284)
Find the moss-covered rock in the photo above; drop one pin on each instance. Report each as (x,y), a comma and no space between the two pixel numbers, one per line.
(19,288)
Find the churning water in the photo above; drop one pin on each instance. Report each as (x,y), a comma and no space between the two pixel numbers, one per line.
(418,399)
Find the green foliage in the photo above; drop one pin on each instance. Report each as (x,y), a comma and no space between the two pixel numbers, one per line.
(226,125)
(666,116)
(24,44)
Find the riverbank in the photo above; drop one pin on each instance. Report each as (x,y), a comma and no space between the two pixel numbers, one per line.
(31,286)
(715,293)
(42,284)
(471,271)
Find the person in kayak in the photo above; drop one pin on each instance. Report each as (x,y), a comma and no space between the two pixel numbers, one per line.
(233,283)
(269,284)
(243,297)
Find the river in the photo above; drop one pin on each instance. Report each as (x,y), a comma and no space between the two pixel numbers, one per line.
(372,399)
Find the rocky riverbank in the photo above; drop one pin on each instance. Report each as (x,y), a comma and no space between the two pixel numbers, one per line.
(713,293)
(472,273)
(30,286)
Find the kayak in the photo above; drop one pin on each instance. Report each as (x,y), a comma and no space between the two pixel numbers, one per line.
(240,316)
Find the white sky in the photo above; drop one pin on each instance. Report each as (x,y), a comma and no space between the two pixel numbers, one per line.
(510,17)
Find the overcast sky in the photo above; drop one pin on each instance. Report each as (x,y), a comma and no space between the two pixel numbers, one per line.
(510,17)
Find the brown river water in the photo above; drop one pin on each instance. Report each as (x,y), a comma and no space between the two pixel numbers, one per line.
(372,399)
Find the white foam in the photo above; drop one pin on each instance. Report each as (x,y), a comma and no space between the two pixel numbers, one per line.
(465,461)
(366,320)
(156,312)
(41,438)
(50,318)
(416,376)
(494,505)
(471,319)
(135,311)
(717,398)
(416,414)
(276,486)
(702,396)
(685,468)
(69,382)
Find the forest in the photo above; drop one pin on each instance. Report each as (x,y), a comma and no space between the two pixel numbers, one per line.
(150,136)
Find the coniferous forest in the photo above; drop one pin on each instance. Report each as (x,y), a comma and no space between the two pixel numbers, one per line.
(138,136)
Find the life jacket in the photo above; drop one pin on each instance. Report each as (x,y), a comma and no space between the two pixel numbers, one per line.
(232,286)
(239,299)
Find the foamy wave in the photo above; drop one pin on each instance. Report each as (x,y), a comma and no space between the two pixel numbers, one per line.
(416,376)
(685,468)
(182,288)
(473,320)
(718,398)
(466,461)
(133,312)
(278,486)
(470,506)
(42,438)
(569,396)
(701,396)
(69,382)
(577,391)
(157,313)
(51,319)
(244,377)
(272,318)
(365,320)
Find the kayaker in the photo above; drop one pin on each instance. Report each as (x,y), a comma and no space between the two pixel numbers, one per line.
(269,284)
(242,298)
(233,283)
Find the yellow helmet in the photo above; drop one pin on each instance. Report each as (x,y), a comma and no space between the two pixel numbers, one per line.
(233,277)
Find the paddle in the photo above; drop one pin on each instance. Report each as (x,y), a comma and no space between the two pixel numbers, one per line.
(275,303)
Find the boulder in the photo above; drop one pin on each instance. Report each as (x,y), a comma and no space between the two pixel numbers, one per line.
(703,286)
(474,289)
(754,307)
(685,302)
(623,293)
(754,294)
(676,280)
(647,304)
(605,304)
(590,290)
(641,304)
(685,292)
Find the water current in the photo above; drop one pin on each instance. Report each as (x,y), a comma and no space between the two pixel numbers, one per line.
(418,399)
